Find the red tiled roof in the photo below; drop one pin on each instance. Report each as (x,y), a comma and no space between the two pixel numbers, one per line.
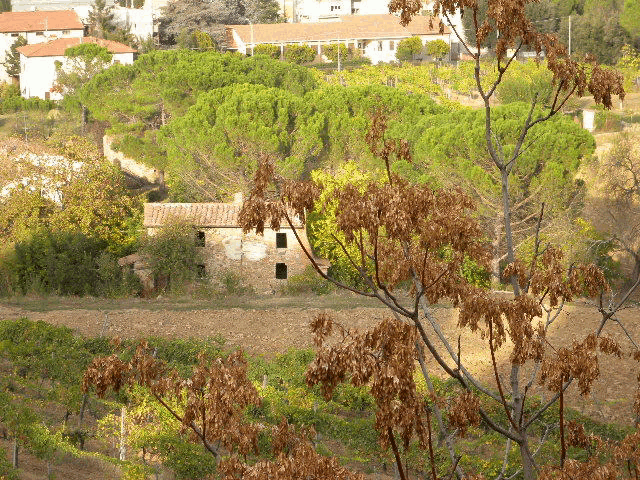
(40,21)
(366,27)
(56,48)
(212,215)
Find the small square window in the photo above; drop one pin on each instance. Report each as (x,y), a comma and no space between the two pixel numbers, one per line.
(281,271)
(39,34)
(200,239)
(281,240)
(379,46)
(392,45)
(66,32)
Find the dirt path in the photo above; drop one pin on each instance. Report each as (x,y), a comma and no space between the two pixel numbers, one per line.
(274,330)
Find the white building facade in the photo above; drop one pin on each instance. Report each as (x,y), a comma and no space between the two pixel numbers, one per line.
(375,37)
(38,63)
(36,27)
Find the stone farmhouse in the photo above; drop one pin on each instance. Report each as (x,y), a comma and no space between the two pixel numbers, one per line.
(374,36)
(38,63)
(263,261)
(36,28)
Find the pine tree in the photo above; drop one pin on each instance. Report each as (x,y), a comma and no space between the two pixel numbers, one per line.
(12,57)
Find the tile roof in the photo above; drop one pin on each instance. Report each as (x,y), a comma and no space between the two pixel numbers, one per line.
(366,27)
(40,21)
(56,48)
(218,215)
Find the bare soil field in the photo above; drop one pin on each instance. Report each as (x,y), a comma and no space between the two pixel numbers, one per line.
(271,325)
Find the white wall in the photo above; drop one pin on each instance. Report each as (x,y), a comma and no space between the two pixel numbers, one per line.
(138,20)
(8,39)
(38,74)
(381,50)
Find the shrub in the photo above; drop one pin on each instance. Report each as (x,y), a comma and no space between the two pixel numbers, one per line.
(306,282)
(437,48)
(233,283)
(408,47)
(267,49)
(64,263)
(331,52)
(173,255)
(299,54)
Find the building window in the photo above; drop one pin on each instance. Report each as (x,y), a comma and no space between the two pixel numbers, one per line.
(281,271)
(200,238)
(39,34)
(392,45)
(379,46)
(66,32)
(281,240)
(14,35)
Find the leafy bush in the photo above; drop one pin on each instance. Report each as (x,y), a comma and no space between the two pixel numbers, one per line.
(523,80)
(173,255)
(408,47)
(17,103)
(299,54)
(63,263)
(438,48)
(308,281)
(331,52)
(607,121)
(233,283)
(267,49)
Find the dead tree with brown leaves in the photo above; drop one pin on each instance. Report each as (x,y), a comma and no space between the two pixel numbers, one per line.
(211,405)
(404,232)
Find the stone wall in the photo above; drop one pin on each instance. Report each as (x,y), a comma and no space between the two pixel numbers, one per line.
(129,165)
(255,258)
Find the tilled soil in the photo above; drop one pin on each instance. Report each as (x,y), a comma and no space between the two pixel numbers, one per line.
(274,330)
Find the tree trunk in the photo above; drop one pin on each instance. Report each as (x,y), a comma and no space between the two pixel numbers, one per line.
(495,261)
(528,464)
(14,459)
(506,205)
(636,268)
(123,434)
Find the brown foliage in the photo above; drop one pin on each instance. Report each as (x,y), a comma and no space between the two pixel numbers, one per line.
(383,358)
(211,403)
(295,459)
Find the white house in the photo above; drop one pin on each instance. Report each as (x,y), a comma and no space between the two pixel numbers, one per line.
(374,36)
(139,21)
(37,63)
(36,27)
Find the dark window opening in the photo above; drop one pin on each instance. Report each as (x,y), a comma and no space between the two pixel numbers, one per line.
(200,239)
(281,240)
(281,271)
(201,271)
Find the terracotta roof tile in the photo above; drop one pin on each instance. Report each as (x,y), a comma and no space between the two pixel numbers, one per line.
(56,48)
(354,27)
(40,21)
(211,215)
